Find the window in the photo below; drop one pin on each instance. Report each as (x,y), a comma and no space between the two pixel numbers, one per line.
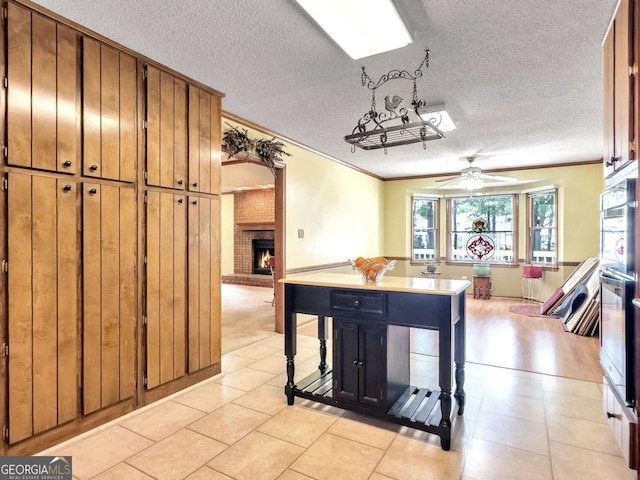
(542,244)
(425,229)
(499,214)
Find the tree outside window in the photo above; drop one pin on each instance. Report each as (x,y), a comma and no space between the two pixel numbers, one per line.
(499,214)
(542,228)
(424,234)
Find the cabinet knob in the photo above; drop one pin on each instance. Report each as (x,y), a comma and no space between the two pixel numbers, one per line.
(93,191)
(612,415)
(355,362)
(93,168)
(195,184)
(67,163)
(179,200)
(67,188)
(356,303)
(180,182)
(195,202)
(612,161)
(358,363)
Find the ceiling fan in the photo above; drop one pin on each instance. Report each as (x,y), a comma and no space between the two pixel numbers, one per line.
(472,178)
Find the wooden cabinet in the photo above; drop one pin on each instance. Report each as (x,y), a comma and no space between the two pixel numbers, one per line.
(183,309)
(166,129)
(359,370)
(75,229)
(183,134)
(109,106)
(204,141)
(203,305)
(481,287)
(618,84)
(43,93)
(370,361)
(109,294)
(622,422)
(166,287)
(42,313)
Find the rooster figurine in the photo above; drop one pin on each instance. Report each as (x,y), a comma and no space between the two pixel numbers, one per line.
(392,104)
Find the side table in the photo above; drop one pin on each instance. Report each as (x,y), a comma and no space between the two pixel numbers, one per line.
(482,287)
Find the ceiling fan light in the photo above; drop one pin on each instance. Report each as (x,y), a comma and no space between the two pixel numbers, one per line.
(355,25)
(471,183)
(438,115)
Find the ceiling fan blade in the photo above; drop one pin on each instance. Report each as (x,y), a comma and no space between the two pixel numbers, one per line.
(449,181)
(446,179)
(499,178)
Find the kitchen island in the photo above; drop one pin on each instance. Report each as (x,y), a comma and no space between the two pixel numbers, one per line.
(371,365)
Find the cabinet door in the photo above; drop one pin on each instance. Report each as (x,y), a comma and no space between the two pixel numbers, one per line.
(109,112)
(622,98)
(166,287)
(204,141)
(346,358)
(204,310)
(43,320)
(608,98)
(371,352)
(43,93)
(109,294)
(166,130)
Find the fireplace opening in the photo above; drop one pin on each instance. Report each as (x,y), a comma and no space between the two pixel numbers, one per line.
(263,250)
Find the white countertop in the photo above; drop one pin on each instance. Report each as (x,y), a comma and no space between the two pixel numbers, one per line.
(432,286)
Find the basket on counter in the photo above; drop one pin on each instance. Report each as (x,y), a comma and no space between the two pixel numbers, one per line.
(372,269)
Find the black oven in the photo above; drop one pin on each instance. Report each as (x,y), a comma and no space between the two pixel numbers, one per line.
(617,286)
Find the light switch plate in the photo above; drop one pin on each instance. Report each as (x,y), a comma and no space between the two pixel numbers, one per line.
(300,233)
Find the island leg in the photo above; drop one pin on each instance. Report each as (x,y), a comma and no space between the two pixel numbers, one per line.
(322,336)
(445,422)
(290,344)
(460,357)
(445,374)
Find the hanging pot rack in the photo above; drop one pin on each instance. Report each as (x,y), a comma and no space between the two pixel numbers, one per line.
(394,127)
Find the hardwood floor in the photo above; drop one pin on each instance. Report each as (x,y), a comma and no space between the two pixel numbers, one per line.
(495,336)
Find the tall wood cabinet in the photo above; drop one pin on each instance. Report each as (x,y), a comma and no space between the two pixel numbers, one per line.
(182,171)
(109,296)
(166,283)
(618,84)
(42,291)
(111,183)
(204,282)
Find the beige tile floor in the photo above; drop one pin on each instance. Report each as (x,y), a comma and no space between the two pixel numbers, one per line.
(237,425)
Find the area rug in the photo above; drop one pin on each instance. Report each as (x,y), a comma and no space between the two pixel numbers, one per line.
(530,310)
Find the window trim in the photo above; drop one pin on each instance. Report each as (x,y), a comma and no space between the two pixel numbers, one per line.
(436,223)
(530,196)
(515,221)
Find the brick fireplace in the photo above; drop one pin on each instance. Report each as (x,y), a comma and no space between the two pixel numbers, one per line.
(254,217)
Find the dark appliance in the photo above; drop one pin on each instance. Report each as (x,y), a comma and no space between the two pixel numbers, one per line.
(617,213)
(617,286)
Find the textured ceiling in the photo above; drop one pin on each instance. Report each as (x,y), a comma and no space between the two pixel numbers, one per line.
(522,79)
